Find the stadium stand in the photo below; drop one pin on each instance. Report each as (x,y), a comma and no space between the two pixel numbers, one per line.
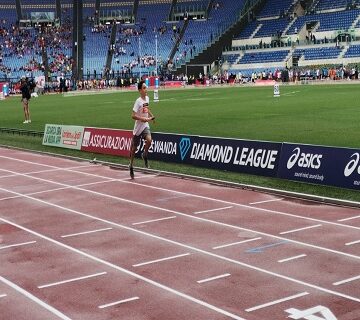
(353,51)
(329,5)
(325,33)
(276,34)
(339,20)
(268,56)
(221,17)
(318,53)
(275,8)
(135,45)
(96,47)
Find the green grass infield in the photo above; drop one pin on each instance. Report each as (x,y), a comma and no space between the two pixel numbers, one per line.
(310,114)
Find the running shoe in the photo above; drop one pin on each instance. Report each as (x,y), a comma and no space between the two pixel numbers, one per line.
(131,172)
(144,157)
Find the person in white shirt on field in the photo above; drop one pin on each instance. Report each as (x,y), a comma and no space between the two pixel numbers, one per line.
(142,115)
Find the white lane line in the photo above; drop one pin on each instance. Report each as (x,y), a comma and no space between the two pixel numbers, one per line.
(292,258)
(235,243)
(159,260)
(32,162)
(265,201)
(45,171)
(187,194)
(351,243)
(35,299)
(171,197)
(117,302)
(214,278)
(58,189)
(348,219)
(85,232)
(3,295)
(71,280)
(209,221)
(141,176)
(277,301)
(193,248)
(212,210)
(154,220)
(17,245)
(208,253)
(346,281)
(128,272)
(243,206)
(195,217)
(58,168)
(301,229)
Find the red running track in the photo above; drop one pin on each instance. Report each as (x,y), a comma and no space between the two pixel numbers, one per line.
(82,241)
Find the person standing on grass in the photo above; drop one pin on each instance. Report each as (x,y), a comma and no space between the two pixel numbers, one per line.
(142,115)
(25,98)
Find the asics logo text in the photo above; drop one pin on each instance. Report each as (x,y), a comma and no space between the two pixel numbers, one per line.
(304,160)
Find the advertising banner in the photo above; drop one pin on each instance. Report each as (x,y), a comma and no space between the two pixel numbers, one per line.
(168,147)
(63,136)
(265,83)
(351,165)
(338,167)
(306,163)
(253,157)
(107,141)
(173,84)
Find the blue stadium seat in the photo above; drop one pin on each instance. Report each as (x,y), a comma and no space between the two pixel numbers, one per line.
(263,57)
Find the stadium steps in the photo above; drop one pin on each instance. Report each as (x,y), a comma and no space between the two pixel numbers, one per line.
(110,52)
(292,7)
(18,9)
(177,44)
(240,56)
(45,60)
(289,56)
(214,51)
(289,26)
(343,51)
(353,25)
(255,31)
(173,4)
(208,10)
(58,9)
(313,6)
(135,9)
(97,9)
